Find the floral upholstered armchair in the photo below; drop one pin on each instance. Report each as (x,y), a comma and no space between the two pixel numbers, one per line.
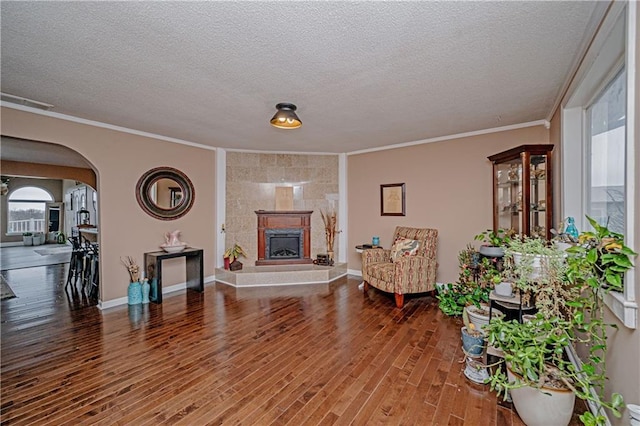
(409,267)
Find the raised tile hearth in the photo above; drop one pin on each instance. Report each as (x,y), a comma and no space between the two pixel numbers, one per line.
(256,276)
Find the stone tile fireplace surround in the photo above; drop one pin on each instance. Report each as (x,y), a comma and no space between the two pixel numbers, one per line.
(252,179)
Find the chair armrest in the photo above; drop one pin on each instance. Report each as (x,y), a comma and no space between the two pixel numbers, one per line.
(370,256)
(415,274)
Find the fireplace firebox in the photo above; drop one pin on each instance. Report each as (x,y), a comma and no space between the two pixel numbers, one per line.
(284,237)
(284,244)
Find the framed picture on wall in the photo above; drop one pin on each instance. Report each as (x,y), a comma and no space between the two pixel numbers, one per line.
(392,199)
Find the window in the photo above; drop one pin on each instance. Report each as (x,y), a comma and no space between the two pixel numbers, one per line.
(599,172)
(26,207)
(605,197)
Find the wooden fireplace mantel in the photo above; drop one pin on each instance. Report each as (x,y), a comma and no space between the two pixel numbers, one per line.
(289,219)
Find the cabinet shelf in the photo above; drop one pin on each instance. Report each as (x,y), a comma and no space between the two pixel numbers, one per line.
(522,177)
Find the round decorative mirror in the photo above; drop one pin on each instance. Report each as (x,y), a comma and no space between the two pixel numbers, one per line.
(165,193)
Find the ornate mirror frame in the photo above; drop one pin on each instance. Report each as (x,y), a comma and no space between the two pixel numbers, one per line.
(147,180)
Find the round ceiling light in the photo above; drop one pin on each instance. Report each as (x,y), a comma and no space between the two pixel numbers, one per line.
(286,117)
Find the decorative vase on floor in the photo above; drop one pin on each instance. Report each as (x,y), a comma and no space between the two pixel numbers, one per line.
(134,293)
(146,288)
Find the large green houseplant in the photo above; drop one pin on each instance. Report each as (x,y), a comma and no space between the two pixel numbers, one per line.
(535,355)
(567,293)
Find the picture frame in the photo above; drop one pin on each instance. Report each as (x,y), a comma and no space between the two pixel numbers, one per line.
(392,199)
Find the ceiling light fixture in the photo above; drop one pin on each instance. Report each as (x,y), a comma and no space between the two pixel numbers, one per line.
(286,117)
(5,97)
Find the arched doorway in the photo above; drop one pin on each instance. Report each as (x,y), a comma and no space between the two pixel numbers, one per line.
(57,171)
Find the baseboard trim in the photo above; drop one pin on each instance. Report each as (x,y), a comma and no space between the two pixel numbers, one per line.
(165,290)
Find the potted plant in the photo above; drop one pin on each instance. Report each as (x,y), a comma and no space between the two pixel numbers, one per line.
(541,380)
(495,242)
(38,238)
(531,255)
(231,255)
(454,297)
(600,256)
(570,312)
(27,238)
(472,340)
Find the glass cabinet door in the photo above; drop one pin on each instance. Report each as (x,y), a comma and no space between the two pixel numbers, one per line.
(538,196)
(509,195)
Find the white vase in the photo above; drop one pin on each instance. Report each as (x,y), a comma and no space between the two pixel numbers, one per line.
(547,407)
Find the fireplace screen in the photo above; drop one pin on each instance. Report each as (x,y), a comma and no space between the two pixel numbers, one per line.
(283,244)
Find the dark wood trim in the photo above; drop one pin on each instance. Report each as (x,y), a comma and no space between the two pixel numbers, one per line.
(538,149)
(297,219)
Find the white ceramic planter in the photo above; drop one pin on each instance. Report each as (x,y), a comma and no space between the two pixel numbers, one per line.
(475,371)
(480,318)
(550,407)
(634,414)
(539,261)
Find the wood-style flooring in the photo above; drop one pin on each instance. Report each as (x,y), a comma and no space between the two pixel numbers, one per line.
(328,355)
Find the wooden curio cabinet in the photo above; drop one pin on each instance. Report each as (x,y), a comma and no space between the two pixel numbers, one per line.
(522,190)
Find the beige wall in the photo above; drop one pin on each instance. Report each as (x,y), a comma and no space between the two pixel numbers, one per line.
(252,179)
(119,159)
(448,187)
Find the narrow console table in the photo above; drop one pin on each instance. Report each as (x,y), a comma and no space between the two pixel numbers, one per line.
(194,260)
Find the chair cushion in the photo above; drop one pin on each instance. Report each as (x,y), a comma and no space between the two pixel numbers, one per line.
(403,247)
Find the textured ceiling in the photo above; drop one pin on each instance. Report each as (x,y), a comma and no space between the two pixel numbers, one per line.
(363,74)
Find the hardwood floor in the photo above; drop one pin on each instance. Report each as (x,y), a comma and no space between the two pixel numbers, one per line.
(329,356)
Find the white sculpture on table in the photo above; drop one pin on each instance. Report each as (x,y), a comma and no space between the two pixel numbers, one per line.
(172,242)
